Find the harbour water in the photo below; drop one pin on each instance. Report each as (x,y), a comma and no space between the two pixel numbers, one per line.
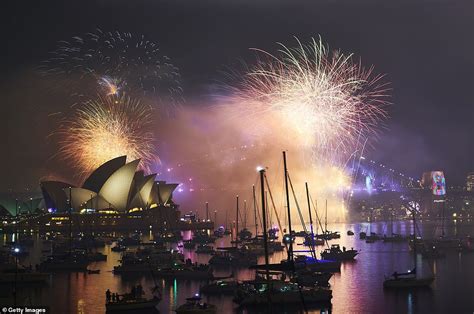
(356,289)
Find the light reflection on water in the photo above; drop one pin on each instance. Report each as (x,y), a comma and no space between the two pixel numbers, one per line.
(356,289)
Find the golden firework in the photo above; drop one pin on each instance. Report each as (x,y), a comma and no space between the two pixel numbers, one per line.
(107,128)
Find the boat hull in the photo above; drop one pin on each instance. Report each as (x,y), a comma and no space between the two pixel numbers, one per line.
(130,306)
(293,297)
(401,283)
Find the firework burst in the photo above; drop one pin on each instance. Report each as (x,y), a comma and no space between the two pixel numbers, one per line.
(312,96)
(107,128)
(115,62)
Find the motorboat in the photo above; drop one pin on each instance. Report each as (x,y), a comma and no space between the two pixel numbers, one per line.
(335,253)
(220,287)
(194,305)
(204,249)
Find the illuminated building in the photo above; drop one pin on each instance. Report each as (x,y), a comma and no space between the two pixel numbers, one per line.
(470,182)
(433,201)
(114,186)
(115,197)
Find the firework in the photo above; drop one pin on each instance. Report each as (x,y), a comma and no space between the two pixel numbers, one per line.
(111,86)
(113,62)
(107,128)
(320,105)
(319,99)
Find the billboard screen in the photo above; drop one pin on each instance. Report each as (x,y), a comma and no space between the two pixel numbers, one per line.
(438,183)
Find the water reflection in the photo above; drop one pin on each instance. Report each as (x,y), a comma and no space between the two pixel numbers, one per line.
(356,289)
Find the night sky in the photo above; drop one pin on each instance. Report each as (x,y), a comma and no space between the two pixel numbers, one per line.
(425,48)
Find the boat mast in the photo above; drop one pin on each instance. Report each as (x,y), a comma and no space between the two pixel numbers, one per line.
(226,220)
(237,221)
(267,210)
(309,210)
(245,214)
(255,210)
(264,223)
(70,221)
(317,218)
(290,250)
(413,211)
(310,221)
(207,211)
(326,219)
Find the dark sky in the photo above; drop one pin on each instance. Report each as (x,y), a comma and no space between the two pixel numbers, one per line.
(426,49)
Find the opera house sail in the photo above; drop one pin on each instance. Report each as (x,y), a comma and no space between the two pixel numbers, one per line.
(116,196)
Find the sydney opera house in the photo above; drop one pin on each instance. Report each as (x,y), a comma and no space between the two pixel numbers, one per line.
(116,196)
(115,186)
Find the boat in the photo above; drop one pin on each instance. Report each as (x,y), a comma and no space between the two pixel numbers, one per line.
(350,232)
(372,237)
(261,293)
(407,280)
(118,248)
(410,278)
(168,237)
(203,238)
(287,238)
(219,232)
(220,287)
(93,271)
(335,253)
(265,290)
(64,262)
(132,304)
(232,256)
(394,238)
(96,257)
(276,246)
(317,265)
(301,233)
(245,234)
(308,278)
(189,244)
(195,306)
(311,240)
(273,233)
(205,249)
(196,272)
(328,235)
(88,242)
(129,241)
(130,263)
(222,258)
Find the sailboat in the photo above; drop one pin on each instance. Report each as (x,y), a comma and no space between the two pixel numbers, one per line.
(67,261)
(410,278)
(295,262)
(394,237)
(245,234)
(328,235)
(372,236)
(265,290)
